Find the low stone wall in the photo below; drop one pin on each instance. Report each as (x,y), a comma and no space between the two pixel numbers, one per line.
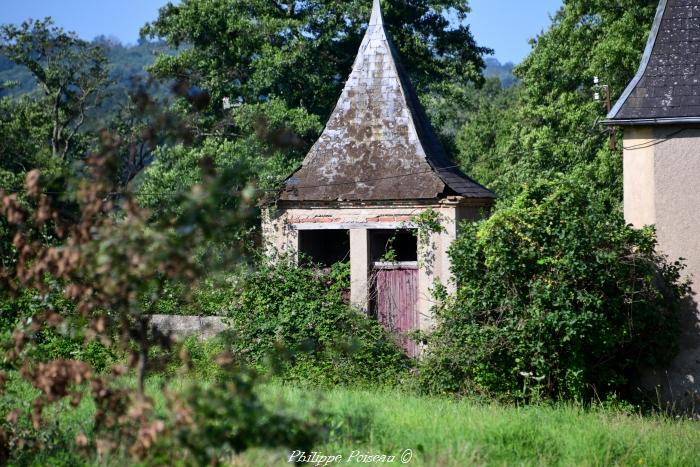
(204,327)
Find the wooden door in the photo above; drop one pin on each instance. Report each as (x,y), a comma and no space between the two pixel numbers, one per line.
(396,302)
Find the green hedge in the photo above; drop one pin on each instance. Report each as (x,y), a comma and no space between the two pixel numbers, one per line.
(557,297)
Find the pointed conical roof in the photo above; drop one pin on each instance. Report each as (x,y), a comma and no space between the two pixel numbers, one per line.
(378,143)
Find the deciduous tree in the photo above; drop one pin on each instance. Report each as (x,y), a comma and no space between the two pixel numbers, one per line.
(72,74)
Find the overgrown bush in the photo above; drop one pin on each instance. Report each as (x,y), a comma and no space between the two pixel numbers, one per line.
(301,313)
(211,297)
(218,420)
(556,297)
(65,342)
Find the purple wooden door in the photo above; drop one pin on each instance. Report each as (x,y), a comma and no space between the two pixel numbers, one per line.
(397,303)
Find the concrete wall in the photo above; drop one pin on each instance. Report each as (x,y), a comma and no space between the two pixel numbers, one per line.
(280,231)
(204,327)
(662,187)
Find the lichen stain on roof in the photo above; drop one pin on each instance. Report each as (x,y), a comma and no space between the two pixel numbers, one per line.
(378,143)
(666,88)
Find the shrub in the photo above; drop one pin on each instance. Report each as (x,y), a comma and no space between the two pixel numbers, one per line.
(65,342)
(210,297)
(215,421)
(303,312)
(556,297)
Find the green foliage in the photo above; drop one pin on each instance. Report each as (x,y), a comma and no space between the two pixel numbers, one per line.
(126,66)
(302,312)
(483,144)
(228,418)
(211,297)
(451,106)
(456,433)
(56,437)
(301,52)
(548,125)
(428,222)
(65,342)
(56,346)
(556,297)
(265,157)
(200,358)
(386,421)
(210,422)
(24,126)
(71,75)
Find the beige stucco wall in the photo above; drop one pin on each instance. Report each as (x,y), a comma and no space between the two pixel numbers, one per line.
(281,227)
(639,185)
(662,187)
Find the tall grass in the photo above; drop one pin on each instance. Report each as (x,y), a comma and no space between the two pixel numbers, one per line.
(439,431)
(444,432)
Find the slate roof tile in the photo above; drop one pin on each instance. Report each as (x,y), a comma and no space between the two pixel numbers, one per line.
(667,85)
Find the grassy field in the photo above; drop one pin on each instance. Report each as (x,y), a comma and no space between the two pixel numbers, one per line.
(443,432)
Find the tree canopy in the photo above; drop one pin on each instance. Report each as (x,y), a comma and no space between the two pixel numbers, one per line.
(551,125)
(71,74)
(302,52)
(173,186)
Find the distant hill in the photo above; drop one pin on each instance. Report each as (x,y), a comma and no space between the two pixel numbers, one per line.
(19,75)
(503,71)
(125,62)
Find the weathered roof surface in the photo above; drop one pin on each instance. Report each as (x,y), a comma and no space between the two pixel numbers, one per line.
(378,143)
(666,88)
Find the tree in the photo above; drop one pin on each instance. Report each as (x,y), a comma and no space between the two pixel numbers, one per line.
(23,126)
(302,52)
(112,263)
(72,74)
(552,125)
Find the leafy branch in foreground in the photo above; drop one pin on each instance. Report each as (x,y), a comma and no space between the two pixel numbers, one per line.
(111,260)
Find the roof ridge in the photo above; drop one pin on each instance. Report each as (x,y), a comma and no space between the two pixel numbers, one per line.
(376,19)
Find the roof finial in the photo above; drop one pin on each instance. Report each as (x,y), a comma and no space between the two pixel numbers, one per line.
(376,19)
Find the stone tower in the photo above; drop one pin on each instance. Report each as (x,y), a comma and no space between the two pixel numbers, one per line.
(377,164)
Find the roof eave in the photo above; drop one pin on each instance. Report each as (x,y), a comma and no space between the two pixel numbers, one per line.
(454,200)
(651,121)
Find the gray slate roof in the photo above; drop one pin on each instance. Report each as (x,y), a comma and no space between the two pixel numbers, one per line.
(666,88)
(378,143)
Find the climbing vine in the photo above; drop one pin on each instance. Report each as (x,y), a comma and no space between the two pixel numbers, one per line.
(427,223)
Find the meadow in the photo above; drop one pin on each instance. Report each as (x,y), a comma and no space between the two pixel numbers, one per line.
(396,425)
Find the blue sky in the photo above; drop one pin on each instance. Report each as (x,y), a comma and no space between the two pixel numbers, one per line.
(507,25)
(503,25)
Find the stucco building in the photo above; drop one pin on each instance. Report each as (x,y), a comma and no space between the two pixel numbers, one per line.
(377,165)
(660,114)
